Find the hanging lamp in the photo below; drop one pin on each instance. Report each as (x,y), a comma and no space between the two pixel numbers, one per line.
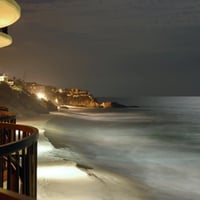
(10,12)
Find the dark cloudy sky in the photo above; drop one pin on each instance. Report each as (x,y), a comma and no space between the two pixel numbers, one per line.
(110,47)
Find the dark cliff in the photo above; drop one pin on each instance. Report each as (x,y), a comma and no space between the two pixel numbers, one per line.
(22,103)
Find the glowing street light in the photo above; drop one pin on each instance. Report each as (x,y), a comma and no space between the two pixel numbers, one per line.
(41,95)
(56,100)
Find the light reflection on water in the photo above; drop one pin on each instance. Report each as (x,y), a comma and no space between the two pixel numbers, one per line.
(157,144)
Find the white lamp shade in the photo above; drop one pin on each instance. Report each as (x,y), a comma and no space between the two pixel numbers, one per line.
(5,40)
(10,12)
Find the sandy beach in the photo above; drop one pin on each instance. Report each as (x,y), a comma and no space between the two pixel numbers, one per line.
(64,179)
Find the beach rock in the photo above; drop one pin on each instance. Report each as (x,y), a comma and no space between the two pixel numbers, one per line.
(110,104)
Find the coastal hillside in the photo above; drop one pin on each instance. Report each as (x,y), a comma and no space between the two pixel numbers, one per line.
(69,97)
(21,102)
(66,96)
(31,98)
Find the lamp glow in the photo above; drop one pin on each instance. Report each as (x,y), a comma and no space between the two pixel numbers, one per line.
(5,40)
(56,100)
(41,95)
(9,12)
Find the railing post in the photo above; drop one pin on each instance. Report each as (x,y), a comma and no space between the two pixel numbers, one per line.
(1,171)
(32,170)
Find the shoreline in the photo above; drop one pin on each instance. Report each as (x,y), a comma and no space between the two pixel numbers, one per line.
(77,181)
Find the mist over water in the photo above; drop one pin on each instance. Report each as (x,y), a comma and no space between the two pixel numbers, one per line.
(157,144)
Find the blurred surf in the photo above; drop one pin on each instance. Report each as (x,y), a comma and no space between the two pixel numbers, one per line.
(158,144)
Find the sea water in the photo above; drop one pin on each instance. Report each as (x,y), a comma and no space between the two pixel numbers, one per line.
(157,144)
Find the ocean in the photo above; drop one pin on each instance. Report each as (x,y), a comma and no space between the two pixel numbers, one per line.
(156,144)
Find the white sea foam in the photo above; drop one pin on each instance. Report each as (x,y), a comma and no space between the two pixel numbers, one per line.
(159,147)
(106,116)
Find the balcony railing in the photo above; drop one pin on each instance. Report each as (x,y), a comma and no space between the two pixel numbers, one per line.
(18,159)
(7,117)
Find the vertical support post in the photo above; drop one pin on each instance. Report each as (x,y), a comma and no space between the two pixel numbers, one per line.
(1,171)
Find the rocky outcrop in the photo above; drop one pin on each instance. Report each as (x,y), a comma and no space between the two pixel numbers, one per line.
(70,97)
(78,99)
(109,104)
(67,96)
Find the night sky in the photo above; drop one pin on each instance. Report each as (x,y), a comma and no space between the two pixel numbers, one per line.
(110,47)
